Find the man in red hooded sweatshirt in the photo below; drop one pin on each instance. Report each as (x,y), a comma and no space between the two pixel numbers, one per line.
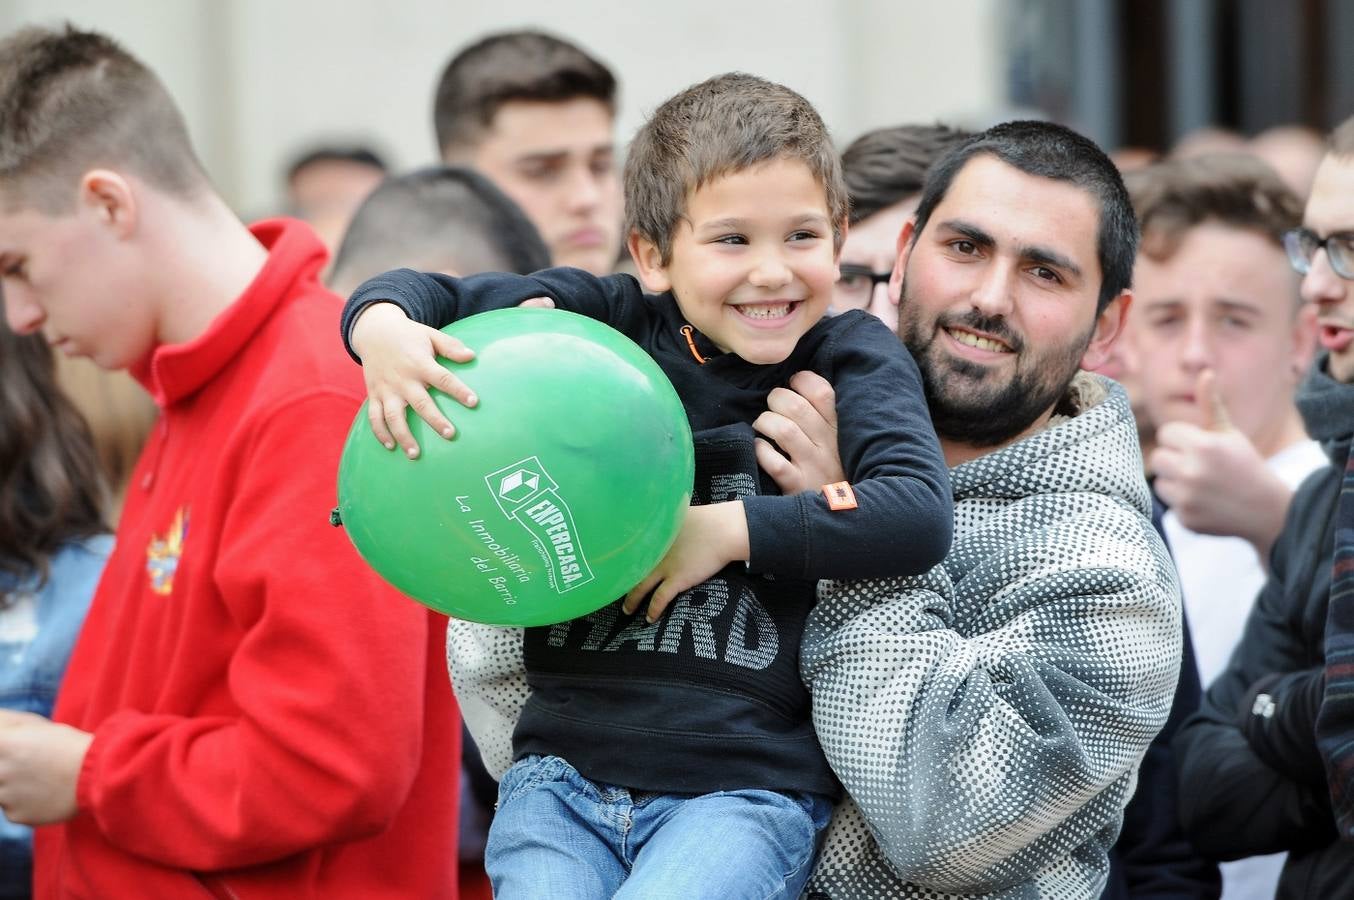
(249,712)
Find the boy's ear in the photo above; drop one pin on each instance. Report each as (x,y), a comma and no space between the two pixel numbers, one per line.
(109,197)
(653,273)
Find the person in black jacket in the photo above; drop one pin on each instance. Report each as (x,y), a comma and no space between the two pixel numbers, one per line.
(1251,778)
(1153,860)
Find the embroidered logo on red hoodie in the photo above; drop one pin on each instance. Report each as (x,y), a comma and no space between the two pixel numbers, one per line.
(162,553)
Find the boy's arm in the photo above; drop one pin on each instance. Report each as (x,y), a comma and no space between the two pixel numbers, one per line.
(328,677)
(898,519)
(902,518)
(437,300)
(391,323)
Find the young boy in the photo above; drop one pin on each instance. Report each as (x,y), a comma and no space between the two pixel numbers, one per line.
(684,767)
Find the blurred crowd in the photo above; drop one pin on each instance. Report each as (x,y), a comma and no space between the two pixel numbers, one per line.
(1230,355)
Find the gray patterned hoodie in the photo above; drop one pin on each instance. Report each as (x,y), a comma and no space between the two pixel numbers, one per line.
(988,717)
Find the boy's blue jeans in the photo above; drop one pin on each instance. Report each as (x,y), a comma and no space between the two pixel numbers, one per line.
(558,835)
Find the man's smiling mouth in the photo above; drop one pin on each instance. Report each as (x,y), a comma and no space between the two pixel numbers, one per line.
(969,339)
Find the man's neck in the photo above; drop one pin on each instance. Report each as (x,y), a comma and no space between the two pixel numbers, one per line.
(957,452)
(1279,434)
(210,258)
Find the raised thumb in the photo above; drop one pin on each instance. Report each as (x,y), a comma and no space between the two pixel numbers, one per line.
(1212,409)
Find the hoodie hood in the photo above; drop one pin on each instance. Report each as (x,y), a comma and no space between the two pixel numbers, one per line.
(1093,450)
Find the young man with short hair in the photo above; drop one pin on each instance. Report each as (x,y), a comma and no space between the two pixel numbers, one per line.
(1222,343)
(536,114)
(249,711)
(1252,779)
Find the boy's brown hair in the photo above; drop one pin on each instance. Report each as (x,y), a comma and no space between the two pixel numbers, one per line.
(71,101)
(1232,189)
(727,124)
(514,65)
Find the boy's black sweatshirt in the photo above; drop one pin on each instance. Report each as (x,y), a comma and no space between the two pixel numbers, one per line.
(709,698)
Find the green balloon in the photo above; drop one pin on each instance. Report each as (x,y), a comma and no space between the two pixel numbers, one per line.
(561,490)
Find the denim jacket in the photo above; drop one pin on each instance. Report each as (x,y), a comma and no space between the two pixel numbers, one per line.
(38,627)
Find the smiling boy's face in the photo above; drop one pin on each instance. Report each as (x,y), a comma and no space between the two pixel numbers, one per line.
(753,260)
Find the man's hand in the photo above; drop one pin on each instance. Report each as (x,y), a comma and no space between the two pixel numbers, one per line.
(1214,478)
(399,364)
(711,537)
(39,765)
(802,420)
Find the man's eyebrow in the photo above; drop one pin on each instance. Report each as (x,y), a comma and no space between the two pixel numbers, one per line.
(1157,302)
(1046,257)
(1237,305)
(547,156)
(970,231)
(1035,254)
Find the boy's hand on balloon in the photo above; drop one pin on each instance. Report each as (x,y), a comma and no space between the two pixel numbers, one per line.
(399,363)
(711,537)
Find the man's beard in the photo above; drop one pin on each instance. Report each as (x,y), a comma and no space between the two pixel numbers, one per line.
(969,402)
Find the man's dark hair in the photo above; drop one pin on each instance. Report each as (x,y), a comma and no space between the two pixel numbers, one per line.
(71,101)
(1233,189)
(359,155)
(514,65)
(888,165)
(441,219)
(1048,150)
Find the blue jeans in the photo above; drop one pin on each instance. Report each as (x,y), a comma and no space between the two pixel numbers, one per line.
(558,835)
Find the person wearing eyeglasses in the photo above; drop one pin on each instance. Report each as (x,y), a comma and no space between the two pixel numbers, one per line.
(1265,765)
(884,171)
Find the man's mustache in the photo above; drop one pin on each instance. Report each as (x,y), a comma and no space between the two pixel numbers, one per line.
(995,326)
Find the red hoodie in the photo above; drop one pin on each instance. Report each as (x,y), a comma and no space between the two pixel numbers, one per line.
(270,719)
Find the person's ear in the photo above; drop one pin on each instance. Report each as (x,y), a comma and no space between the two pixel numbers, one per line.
(109,197)
(900,263)
(1109,325)
(653,272)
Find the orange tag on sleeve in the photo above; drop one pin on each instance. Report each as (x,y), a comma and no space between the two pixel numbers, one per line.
(839,496)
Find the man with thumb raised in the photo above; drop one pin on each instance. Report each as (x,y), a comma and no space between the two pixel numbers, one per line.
(1223,340)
